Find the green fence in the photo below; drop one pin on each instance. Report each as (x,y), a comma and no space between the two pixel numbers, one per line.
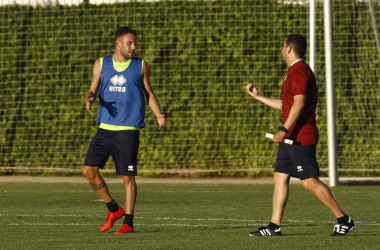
(201,55)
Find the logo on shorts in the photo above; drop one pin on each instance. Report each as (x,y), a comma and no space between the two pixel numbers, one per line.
(130,168)
(299,168)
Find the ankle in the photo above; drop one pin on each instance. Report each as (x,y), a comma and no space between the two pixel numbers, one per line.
(274,226)
(112,206)
(343,220)
(128,219)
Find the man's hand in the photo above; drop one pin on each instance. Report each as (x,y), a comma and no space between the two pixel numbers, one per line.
(161,120)
(89,101)
(279,136)
(251,90)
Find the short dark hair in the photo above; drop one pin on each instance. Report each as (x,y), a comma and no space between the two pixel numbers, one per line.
(298,43)
(124,30)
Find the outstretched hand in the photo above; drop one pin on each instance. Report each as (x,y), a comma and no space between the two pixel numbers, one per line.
(251,90)
(161,120)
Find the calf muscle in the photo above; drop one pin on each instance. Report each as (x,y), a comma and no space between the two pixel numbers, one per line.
(97,187)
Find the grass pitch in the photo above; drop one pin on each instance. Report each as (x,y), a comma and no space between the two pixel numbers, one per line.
(182,216)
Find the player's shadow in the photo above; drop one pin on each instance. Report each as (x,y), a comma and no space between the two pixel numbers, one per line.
(359,183)
(109,106)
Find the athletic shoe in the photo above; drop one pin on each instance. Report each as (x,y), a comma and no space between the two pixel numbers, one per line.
(343,229)
(111,218)
(125,229)
(266,231)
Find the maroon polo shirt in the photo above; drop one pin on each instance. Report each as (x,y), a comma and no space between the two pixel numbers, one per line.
(300,80)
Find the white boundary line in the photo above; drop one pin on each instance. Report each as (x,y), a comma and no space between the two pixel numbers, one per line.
(255,222)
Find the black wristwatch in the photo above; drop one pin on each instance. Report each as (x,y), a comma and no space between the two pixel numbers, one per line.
(283,129)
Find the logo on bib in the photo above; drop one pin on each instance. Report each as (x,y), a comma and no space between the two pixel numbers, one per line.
(117,81)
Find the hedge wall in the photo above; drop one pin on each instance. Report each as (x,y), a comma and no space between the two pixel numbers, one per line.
(201,55)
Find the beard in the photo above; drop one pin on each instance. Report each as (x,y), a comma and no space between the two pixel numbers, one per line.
(126,54)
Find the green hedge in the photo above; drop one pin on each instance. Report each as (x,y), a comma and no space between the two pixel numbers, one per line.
(201,55)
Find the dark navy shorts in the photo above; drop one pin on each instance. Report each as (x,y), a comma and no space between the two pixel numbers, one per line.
(298,161)
(122,145)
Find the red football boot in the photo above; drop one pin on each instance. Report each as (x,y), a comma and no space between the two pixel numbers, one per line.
(111,218)
(125,229)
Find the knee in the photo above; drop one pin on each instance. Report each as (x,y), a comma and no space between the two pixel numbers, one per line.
(89,172)
(309,184)
(281,179)
(128,180)
(306,185)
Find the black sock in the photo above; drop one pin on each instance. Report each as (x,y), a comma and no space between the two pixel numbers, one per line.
(343,220)
(128,219)
(273,226)
(112,206)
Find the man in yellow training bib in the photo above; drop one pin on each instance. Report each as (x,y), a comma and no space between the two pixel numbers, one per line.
(122,80)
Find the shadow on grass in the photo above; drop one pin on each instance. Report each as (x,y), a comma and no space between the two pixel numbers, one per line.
(359,183)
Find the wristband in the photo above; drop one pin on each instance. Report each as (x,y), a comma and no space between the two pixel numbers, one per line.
(283,129)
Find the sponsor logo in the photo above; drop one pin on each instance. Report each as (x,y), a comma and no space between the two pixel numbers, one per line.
(130,168)
(299,168)
(117,89)
(118,82)
(278,230)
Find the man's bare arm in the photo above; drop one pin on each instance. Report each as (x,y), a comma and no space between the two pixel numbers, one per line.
(151,98)
(91,94)
(295,111)
(271,102)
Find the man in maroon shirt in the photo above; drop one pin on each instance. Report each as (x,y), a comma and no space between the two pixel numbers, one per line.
(298,103)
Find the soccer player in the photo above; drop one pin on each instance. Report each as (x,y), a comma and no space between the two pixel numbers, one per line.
(122,80)
(298,103)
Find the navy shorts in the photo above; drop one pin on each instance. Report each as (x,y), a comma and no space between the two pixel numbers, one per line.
(298,161)
(122,145)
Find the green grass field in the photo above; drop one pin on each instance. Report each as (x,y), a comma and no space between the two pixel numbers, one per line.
(181,216)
